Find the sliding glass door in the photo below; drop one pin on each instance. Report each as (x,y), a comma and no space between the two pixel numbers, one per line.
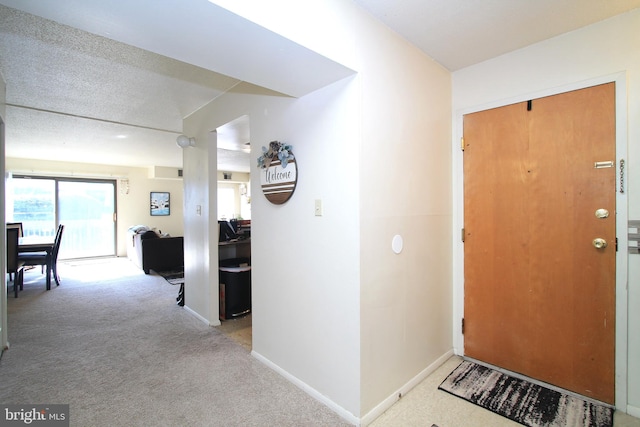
(87,210)
(85,207)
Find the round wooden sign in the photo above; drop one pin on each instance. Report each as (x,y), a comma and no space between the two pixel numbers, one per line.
(279,183)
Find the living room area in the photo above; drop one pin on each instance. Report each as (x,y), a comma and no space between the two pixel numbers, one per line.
(134,189)
(134,185)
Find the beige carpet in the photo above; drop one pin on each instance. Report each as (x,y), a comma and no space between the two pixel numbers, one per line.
(112,343)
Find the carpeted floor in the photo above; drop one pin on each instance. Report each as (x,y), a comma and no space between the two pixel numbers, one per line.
(238,329)
(113,344)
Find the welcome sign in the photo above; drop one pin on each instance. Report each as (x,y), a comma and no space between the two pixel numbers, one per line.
(278,182)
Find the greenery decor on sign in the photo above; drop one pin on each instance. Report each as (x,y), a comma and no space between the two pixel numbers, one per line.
(276,150)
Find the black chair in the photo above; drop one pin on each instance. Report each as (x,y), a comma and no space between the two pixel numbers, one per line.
(46,258)
(14,265)
(17,225)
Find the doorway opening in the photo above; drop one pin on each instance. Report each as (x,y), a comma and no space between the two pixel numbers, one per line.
(234,220)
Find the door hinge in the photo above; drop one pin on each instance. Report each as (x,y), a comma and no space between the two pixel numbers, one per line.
(616,244)
(462,326)
(529,105)
(462,234)
(462,143)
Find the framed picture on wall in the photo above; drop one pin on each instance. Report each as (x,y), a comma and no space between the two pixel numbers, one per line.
(159,203)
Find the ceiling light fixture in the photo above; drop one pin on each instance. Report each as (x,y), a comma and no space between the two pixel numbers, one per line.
(184,141)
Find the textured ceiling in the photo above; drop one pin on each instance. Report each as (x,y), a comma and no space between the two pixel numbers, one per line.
(111,82)
(107,82)
(76,96)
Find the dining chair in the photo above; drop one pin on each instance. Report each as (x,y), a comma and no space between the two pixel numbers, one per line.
(49,258)
(14,265)
(18,226)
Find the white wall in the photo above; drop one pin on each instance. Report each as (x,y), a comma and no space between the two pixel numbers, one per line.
(304,268)
(132,207)
(200,222)
(405,189)
(602,51)
(334,309)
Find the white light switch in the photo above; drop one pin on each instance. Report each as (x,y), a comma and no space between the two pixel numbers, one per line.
(318,207)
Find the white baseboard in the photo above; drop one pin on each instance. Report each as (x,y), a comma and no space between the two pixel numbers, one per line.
(197,316)
(394,397)
(346,415)
(634,411)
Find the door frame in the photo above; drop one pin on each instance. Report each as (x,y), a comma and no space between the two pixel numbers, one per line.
(622,257)
(4,332)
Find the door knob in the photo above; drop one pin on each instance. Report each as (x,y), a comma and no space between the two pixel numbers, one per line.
(599,243)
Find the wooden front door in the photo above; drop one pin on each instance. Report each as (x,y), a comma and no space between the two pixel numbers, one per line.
(539,288)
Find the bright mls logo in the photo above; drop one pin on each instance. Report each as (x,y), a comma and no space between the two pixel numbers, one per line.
(35,415)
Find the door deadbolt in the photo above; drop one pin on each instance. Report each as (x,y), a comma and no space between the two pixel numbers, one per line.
(602,213)
(599,243)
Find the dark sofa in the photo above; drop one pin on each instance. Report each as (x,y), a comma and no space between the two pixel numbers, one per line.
(150,251)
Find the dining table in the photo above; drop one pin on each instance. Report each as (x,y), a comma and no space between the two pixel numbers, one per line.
(35,244)
(29,244)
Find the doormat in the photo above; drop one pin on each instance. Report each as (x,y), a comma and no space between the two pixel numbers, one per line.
(174,277)
(521,401)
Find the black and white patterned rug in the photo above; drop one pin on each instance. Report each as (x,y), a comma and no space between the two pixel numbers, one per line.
(521,401)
